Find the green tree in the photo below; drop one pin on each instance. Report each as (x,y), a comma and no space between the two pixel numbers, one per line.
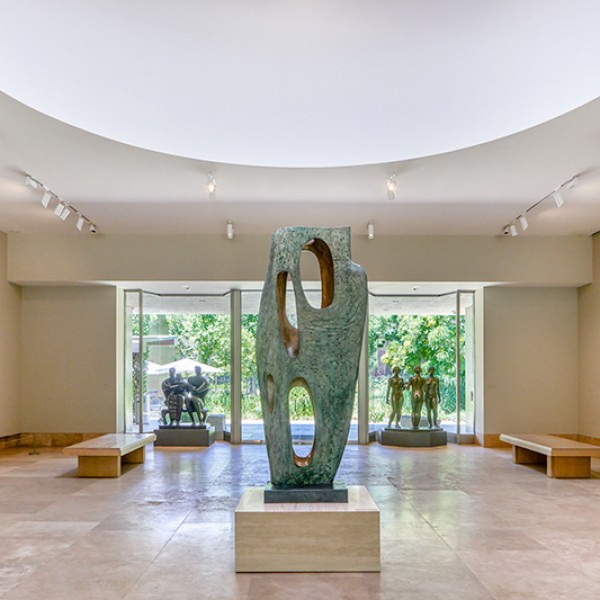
(411,340)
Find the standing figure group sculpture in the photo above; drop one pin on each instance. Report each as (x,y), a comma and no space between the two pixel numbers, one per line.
(421,391)
(179,393)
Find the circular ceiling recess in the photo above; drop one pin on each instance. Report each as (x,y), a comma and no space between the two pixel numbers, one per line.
(311,83)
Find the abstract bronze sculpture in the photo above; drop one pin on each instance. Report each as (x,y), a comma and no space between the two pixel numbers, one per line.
(321,354)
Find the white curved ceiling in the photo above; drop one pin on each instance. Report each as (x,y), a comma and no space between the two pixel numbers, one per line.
(311,83)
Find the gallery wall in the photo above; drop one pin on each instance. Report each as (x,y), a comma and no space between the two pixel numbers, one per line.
(530,361)
(10,340)
(589,350)
(534,260)
(70,346)
(69,359)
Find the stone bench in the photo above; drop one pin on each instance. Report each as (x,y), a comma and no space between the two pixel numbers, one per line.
(103,456)
(563,457)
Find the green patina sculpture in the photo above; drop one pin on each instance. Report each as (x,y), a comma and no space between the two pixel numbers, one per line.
(321,354)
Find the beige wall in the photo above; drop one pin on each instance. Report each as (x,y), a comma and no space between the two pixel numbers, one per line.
(561,260)
(528,344)
(530,360)
(69,359)
(10,340)
(589,351)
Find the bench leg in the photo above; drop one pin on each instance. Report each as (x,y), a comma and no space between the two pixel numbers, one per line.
(523,456)
(569,466)
(99,466)
(137,456)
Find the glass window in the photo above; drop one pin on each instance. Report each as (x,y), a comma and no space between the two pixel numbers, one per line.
(181,333)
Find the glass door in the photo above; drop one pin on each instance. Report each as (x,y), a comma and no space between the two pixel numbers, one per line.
(133,366)
(176,336)
(252,421)
(465,367)
(432,332)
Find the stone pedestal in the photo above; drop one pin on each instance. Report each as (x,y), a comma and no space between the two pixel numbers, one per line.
(412,438)
(313,537)
(218,422)
(184,436)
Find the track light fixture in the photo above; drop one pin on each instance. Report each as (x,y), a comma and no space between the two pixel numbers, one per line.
(31,182)
(390,186)
(523,222)
(558,199)
(64,215)
(46,198)
(61,210)
(211,185)
(555,194)
(230,230)
(370,230)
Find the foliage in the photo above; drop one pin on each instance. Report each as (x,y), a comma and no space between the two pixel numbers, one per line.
(408,341)
(402,340)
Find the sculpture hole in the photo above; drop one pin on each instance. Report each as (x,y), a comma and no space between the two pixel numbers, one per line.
(320,250)
(287,330)
(270,393)
(302,415)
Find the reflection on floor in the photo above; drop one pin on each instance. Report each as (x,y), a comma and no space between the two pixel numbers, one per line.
(303,431)
(456,522)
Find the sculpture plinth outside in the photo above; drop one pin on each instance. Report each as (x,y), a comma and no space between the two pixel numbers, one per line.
(320,354)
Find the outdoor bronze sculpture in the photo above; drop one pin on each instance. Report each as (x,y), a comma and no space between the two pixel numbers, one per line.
(416,384)
(197,391)
(432,398)
(395,393)
(174,390)
(320,354)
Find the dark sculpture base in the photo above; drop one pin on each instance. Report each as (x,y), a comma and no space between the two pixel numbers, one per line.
(184,436)
(412,438)
(338,492)
(183,426)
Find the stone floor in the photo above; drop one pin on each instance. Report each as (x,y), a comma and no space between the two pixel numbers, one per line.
(456,522)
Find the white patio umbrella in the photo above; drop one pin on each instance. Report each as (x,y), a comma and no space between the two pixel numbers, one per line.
(183,365)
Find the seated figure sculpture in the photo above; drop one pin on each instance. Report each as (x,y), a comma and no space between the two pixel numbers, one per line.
(197,391)
(416,384)
(174,390)
(395,393)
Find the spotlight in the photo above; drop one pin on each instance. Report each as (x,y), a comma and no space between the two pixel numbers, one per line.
(229,230)
(510,230)
(523,222)
(80,222)
(46,199)
(370,230)
(211,186)
(572,182)
(31,182)
(390,187)
(558,199)
(93,228)
(59,208)
(64,215)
